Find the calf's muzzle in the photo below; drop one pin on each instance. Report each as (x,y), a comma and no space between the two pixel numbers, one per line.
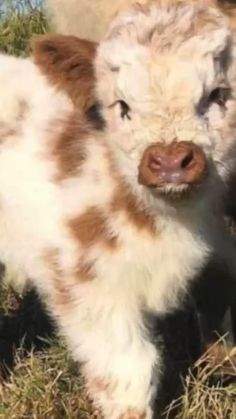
(178,163)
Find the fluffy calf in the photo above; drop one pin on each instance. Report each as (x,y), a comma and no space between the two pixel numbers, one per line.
(113,211)
(90,19)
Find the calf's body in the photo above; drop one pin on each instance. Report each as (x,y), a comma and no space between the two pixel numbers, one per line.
(97,256)
(68,18)
(104,249)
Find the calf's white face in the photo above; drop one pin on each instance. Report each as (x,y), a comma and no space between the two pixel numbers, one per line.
(165,79)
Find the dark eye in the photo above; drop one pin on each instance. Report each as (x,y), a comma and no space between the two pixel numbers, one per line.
(124,109)
(220,95)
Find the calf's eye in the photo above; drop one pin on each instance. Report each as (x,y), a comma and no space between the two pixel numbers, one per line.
(220,95)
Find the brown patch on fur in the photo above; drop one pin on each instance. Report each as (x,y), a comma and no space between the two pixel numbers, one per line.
(133,414)
(23,109)
(67,62)
(84,271)
(62,295)
(125,201)
(98,386)
(229,9)
(101,385)
(91,227)
(69,148)
(13,130)
(6,132)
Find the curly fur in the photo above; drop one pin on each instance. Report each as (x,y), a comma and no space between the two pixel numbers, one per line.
(102,249)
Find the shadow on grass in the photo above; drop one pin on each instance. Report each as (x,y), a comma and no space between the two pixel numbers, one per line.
(27,327)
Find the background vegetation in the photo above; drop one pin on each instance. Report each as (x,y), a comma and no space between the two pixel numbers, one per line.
(19,20)
(46,384)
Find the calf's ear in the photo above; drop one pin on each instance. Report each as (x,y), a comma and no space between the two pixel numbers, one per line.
(68,63)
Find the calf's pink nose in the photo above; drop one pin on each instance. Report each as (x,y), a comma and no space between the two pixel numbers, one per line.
(176,163)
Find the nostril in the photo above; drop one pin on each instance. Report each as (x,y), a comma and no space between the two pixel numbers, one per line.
(177,163)
(155,162)
(187,160)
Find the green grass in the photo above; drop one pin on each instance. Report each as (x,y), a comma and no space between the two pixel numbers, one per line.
(17,25)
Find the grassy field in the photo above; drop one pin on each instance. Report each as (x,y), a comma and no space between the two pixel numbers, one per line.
(46,384)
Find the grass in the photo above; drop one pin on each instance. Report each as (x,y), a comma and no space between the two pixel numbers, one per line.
(204,400)
(17,24)
(47,384)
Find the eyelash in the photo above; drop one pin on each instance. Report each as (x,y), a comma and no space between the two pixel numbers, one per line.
(124,109)
(219,95)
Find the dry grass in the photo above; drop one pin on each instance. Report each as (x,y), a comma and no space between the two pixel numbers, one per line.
(207,396)
(47,385)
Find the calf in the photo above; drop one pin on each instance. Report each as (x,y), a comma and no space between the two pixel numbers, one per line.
(90,20)
(113,212)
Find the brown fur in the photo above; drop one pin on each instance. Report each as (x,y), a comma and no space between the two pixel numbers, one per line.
(133,414)
(23,110)
(70,146)
(101,385)
(67,61)
(84,271)
(98,385)
(6,133)
(91,227)
(229,8)
(125,201)
(62,296)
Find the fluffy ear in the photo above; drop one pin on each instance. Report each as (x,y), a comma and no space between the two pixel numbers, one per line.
(67,62)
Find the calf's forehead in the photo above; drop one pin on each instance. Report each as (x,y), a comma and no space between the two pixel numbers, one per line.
(161,49)
(166,24)
(162,78)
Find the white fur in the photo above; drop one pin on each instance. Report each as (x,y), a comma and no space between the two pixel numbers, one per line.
(103,319)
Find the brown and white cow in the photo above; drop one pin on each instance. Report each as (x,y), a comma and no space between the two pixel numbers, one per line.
(90,19)
(113,211)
